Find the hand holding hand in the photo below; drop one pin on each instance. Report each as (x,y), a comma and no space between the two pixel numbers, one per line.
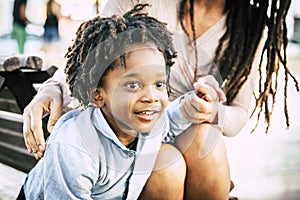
(200,106)
(208,88)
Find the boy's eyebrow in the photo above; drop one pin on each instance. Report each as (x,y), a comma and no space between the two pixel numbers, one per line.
(141,48)
(134,75)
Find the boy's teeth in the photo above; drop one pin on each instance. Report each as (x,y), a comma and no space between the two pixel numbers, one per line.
(147,112)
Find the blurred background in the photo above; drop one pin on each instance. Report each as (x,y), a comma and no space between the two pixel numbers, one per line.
(263,166)
(72,13)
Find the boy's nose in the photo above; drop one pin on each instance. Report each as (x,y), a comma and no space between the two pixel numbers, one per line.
(150,94)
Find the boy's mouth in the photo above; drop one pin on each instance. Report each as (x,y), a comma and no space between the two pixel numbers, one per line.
(147,115)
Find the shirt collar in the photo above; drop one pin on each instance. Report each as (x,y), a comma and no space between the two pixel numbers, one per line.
(101,125)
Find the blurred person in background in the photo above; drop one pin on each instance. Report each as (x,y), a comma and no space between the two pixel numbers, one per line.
(51,26)
(19,23)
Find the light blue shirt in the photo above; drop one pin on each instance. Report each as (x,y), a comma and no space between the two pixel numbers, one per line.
(85,160)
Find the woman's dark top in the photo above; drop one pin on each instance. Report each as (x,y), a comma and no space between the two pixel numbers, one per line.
(16,12)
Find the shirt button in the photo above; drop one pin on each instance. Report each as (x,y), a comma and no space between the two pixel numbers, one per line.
(131,153)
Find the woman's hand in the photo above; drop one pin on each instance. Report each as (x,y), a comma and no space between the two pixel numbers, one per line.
(47,100)
(201,105)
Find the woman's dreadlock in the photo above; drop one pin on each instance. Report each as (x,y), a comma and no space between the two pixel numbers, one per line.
(245,24)
(102,42)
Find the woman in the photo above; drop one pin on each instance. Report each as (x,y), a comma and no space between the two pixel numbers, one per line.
(227,33)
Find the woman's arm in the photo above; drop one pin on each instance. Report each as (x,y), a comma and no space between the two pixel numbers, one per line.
(232,118)
(49,100)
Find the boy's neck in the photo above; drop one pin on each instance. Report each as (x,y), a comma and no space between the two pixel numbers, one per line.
(125,136)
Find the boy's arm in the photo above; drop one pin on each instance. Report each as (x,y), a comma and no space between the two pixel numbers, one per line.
(68,173)
(178,123)
(204,104)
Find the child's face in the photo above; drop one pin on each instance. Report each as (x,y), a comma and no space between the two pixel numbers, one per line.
(134,97)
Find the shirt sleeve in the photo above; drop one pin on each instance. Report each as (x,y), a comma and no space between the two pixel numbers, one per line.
(68,173)
(119,7)
(178,123)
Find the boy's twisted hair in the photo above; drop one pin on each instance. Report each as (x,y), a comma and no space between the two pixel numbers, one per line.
(245,24)
(101,43)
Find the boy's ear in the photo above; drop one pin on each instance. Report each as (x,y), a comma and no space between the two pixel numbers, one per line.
(96,98)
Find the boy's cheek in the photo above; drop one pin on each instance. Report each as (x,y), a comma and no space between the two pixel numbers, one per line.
(165,101)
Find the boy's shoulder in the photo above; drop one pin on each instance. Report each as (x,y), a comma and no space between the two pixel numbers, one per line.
(65,128)
(75,128)
(68,115)
(73,118)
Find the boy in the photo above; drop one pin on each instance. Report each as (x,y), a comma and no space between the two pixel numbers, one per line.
(118,68)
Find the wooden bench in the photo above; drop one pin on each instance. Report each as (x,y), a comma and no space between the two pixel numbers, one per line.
(12,147)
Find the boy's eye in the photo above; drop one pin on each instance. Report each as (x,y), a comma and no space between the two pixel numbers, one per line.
(160,84)
(132,85)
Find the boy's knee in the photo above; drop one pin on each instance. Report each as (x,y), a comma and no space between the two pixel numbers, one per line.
(202,139)
(211,142)
(170,163)
(168,176)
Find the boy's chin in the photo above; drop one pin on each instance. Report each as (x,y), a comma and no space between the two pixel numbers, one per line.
(142,129)
(136,128)
(146,130)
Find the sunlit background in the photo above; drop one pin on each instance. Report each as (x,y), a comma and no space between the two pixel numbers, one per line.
(79,10)
(73,12)
(263,166)
(36,13)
